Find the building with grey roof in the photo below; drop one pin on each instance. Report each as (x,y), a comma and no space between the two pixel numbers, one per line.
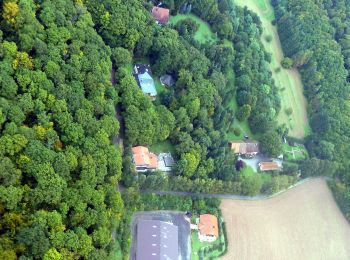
(157,240)
(167,80)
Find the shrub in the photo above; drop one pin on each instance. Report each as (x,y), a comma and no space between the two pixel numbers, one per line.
(268,38)
(237,131)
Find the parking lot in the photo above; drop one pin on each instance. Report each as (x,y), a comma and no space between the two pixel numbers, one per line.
(175,217)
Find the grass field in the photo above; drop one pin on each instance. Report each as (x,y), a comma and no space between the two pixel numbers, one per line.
(288,81)
(162,147)
(248,171)
(301,223)
(204,32)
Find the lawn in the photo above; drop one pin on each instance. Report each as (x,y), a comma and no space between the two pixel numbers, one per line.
(242,126)
(204,32)
(288,81)
(162,147)
(159,87)
(248,171)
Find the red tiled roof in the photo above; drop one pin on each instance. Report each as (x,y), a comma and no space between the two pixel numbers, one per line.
(208,225)
(161,14)
(142,157)
(269,166)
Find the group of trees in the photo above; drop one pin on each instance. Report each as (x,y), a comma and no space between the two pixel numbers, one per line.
(315,35)
(58,168)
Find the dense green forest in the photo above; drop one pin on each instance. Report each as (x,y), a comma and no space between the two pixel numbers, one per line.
(66,68)
(315,34)
(58,167)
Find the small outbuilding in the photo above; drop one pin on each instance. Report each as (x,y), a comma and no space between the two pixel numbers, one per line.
(269,166)
(167,80)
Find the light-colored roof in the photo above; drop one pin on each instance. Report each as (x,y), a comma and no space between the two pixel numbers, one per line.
(208,225)
(147,84)
(157,240)
(269,166)
(142,157)
(245,147)
(161,14)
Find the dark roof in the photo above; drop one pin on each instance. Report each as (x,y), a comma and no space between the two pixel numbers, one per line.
(142,68)
(168,160)
(167,80)
(161,14)
(156,240)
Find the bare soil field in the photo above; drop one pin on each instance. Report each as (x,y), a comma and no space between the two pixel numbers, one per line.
(301,223)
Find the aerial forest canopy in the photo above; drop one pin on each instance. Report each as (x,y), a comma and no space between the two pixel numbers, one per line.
(316,35)
(58,168)
(67,92)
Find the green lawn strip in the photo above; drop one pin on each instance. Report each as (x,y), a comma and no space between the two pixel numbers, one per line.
(162,147)
(204,32)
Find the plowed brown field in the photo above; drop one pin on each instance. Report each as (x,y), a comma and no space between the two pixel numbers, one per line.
(301,223)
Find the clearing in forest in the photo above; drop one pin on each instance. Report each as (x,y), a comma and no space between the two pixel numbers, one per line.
(288,81)
(301,223)
(204,32)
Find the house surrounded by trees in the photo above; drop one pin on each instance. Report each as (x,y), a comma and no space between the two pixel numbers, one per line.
(143,159)
(161,15)
(247,148)
(143,76)
(269,166)
(208,228)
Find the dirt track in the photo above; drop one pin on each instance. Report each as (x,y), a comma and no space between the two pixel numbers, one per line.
(302,223)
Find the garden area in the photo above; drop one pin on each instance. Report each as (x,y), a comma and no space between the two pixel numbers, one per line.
(296,152)
(204,32)
(162,147)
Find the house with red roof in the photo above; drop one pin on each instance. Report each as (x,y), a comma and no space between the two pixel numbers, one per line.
(161,15)
(269,166)
(143,159)
(208,229)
